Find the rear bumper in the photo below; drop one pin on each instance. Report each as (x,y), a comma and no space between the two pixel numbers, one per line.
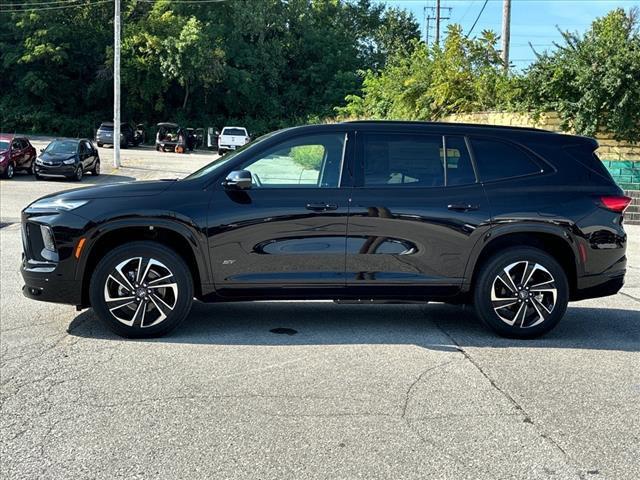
(608,286)
(603,284)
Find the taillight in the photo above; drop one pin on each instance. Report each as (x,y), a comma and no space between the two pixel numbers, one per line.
(618,203)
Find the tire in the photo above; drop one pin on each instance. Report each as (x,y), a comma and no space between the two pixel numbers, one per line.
(38,177)
(95,171)
(78,174)
(10,171)
(100,144)
(145,315)
(513,308)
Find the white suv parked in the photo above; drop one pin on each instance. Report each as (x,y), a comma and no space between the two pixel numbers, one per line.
(231,138)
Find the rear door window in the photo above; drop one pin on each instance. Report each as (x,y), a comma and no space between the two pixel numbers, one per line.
(459,166)
(398,159)
(497,160)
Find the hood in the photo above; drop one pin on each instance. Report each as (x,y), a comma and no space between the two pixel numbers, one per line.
(56,157)
(115,190)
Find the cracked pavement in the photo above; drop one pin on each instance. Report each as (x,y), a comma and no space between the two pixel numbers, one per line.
(394,391)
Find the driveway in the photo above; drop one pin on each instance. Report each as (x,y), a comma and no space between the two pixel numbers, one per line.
(311,389)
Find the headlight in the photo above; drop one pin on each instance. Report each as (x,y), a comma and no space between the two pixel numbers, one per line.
(58,204)
(71,161)
(47,238)
(3,158)
(39,161)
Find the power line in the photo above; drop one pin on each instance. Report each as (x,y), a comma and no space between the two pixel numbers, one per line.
(31,4)
(60,7)
(477,18)
(186,1)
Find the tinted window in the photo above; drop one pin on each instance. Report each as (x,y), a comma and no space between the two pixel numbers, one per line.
(459,166)
(236,132)
(16,145)
(496,160)
(62,146)
(303,162)
(403,159)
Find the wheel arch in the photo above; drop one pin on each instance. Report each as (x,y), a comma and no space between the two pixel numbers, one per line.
(168,233)
(557,242)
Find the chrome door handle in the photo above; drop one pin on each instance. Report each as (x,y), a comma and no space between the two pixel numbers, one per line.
(321,207)
(462,207)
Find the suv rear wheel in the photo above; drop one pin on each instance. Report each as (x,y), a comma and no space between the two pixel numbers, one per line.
(141,289)
(521,292)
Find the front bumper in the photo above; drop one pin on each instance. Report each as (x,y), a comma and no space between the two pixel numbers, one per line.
(47,288)
(55,170)
(51,276)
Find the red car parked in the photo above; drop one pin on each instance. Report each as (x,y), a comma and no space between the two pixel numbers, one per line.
(16,153)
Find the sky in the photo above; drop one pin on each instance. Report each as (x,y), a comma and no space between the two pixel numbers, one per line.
(532,21)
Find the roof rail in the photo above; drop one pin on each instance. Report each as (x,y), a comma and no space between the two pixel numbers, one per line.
(460,124)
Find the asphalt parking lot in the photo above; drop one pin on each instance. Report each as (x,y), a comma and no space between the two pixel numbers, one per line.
(397,391)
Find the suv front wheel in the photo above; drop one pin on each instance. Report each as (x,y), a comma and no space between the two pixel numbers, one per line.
(141,289)
(521,292)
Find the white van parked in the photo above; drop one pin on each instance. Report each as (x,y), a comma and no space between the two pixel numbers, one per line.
(231,138)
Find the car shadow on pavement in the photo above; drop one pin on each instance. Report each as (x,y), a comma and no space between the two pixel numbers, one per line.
(434,326)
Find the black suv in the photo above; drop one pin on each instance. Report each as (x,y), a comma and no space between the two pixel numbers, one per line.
(516,221)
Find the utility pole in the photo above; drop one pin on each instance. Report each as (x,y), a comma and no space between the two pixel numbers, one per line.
(116,85)
(437,22)
(506,32)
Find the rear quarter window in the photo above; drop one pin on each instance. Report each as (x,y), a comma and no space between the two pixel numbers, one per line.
(498,160)
(587,157)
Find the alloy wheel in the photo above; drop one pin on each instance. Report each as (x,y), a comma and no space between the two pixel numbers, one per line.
(524,294)
(10,170)
(141,292)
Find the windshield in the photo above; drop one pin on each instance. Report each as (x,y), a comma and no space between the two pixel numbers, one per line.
(219,162)
(236,132)
(62,146)
(4,145)
(105,127)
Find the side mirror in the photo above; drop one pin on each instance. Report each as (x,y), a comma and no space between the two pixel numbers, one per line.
(42,150)
(238,180)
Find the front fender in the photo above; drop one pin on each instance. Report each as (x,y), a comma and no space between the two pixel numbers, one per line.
(164,220)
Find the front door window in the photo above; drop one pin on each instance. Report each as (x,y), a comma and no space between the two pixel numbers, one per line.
(313,161)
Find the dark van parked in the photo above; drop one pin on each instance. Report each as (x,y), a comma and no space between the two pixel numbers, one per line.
(68,158)
(516,221)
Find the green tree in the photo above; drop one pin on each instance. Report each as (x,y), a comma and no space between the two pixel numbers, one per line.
(464,75)
(591,80)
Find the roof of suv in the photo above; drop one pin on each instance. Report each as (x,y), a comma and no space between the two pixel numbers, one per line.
(451,124)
